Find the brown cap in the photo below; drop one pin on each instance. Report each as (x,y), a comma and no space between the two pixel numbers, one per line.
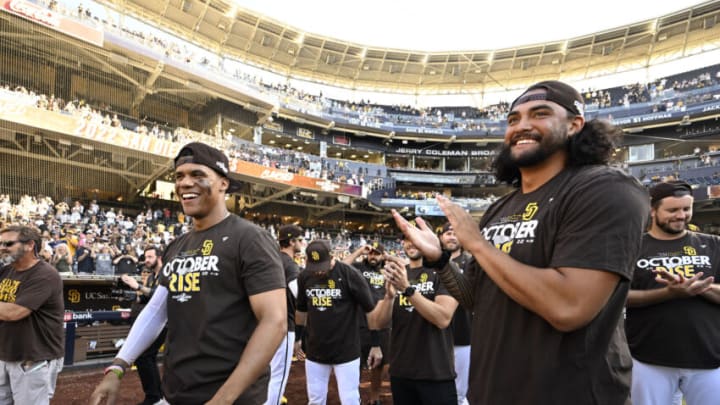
(318,256)
(377,247)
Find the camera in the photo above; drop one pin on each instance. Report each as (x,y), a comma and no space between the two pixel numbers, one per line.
(123,292)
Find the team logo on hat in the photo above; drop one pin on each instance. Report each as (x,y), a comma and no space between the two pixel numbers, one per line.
(222,166)
(315,256)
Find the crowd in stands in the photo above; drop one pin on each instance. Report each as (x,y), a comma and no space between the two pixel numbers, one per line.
(367,113)
(87,239)
(661,93)
(697,168)
(292,161)
(306,164)
(102,114)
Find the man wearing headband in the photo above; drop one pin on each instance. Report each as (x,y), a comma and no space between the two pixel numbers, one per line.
(552,260)
(222,294)
(673,311)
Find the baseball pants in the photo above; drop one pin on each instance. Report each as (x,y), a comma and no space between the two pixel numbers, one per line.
(347,376)
(280,370)
(462,369)
(658,385)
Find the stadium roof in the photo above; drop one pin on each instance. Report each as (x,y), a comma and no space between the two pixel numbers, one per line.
(459,25)
(267,42)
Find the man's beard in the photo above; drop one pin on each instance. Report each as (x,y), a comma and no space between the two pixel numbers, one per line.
(6,260)
(9,259)
(665,227)
(374,263)
(507,167)
(451,247)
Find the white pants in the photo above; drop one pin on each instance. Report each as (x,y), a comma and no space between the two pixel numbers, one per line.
(280,369)
(347,376)
(658,385)
(462,369)
(22,383)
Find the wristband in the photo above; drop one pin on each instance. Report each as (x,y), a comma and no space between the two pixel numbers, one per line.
(299,332)
(374,338)
(115,369)
(439,263)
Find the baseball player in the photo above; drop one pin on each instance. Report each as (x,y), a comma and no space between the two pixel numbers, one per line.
(291,242)
(673,306)
(421,359)
(460,324)
(332,297)
(373,343)
(220,291)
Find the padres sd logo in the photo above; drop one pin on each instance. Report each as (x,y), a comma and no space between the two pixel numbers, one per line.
(689,250)
(331,283)
(423,277)
(207,247)
(315,256)
(74,296)
(530,211)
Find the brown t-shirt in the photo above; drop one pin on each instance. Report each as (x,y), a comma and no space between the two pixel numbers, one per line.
(419,350)
(590,217)
(210,276)
(40,335)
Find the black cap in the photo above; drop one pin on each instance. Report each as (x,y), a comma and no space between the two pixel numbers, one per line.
(558,92)
(675,188)
(318,256)
(203,154)
(287,232)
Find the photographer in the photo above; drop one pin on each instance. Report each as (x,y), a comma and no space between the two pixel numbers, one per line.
(103,257)
(126,262)
(147,362)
